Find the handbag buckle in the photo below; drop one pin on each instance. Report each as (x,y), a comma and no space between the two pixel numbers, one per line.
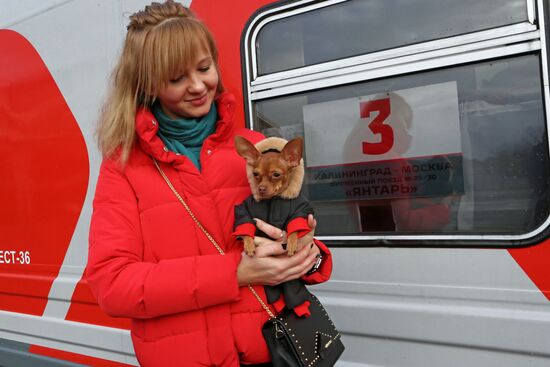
(279,333)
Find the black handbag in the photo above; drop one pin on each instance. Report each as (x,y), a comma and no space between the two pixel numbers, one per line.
(292,341)
(295,341)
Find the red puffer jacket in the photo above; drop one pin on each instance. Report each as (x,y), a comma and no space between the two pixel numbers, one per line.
(149,261)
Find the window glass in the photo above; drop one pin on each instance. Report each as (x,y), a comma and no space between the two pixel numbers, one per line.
(362,26)
(458,150)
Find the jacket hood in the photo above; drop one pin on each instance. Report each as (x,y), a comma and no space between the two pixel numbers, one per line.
(296,174)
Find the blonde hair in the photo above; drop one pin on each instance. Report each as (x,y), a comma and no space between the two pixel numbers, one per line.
(161,40)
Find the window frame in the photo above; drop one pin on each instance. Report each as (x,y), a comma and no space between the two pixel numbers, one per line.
(506,41)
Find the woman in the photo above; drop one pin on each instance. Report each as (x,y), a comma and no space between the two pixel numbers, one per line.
(148,260)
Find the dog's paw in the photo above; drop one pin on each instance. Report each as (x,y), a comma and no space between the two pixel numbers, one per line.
(292,244)
(249,246)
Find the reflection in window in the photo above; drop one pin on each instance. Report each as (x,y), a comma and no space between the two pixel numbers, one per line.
(358,27)
(467,151)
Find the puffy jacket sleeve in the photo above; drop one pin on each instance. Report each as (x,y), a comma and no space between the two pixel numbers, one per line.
(127,286)
(325,270)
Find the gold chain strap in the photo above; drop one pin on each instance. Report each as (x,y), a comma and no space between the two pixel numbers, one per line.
(188,208)
(271,315)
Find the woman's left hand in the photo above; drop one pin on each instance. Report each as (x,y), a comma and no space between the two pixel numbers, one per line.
(278,235)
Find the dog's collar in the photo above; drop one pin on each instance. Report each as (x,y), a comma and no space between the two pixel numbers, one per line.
(272,150)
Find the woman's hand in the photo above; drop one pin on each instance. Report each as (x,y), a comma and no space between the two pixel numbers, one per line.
(270,265)
(269,268)
(279,235)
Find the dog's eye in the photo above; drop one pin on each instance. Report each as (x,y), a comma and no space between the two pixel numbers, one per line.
(256,174)
(276,174)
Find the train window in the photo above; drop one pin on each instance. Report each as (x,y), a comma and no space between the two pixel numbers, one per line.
(319,36)
(456,150)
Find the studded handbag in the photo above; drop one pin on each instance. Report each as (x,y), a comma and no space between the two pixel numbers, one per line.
(292,341)
(295,341)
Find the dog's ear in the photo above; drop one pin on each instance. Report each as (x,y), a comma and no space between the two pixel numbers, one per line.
(293,150)
(246,149)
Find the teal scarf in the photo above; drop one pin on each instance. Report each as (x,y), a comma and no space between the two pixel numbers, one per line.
(185,136)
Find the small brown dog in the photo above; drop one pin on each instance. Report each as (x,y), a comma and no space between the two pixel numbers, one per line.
(275,173)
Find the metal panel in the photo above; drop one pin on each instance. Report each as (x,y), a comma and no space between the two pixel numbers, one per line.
(436,307)
(14,354)
(91,340)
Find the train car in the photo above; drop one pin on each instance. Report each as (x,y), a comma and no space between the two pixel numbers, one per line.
(427,163)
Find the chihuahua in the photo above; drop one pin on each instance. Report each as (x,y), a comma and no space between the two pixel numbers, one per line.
(275,174)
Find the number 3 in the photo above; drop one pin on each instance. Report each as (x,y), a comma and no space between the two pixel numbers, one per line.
(377,126)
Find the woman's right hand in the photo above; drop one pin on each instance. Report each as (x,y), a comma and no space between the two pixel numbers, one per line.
(267,267)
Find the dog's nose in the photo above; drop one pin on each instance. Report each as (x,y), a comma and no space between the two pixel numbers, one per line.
(262,189)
